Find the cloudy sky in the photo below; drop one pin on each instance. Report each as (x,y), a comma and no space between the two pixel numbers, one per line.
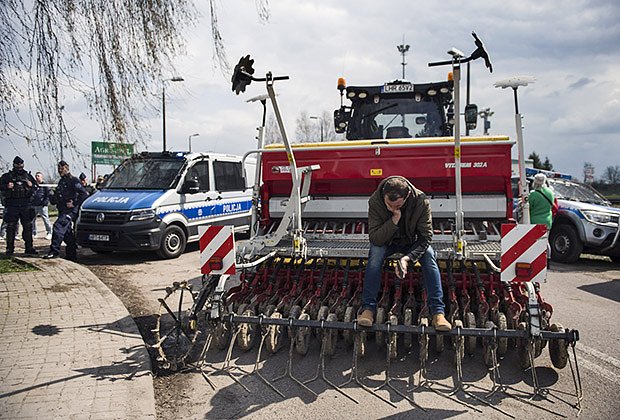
(572,48)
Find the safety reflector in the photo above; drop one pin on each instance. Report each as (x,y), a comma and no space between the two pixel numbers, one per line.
(524,253)
(217,250)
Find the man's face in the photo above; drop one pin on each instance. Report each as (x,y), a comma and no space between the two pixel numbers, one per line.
(63,170)
(39,178)
(83,182)
(18,166)
(394,204)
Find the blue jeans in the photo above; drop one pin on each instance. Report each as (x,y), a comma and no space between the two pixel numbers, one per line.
(430,275)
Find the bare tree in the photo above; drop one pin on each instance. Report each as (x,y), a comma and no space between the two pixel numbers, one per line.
(611,174)
(305,129)
(114,53)
(272,131)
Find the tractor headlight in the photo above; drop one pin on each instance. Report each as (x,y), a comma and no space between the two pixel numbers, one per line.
(601,218)
(141,215)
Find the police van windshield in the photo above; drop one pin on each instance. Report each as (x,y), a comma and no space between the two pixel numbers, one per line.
(568,190)
(145,174)
(396,118)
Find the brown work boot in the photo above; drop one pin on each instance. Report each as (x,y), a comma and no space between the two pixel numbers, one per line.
(441,323)
(366,318)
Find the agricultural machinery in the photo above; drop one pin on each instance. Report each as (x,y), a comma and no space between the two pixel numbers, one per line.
(301,272)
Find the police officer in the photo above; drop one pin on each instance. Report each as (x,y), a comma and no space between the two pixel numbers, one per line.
(18,186)
(89,188)
(68,198)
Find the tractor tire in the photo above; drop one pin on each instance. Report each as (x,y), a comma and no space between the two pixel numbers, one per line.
(408,321)
(470,341)
(349,316)
(393,339)
(302,337)
(275,337)
(565,244)
(558,349)
(380,319)
(331,337)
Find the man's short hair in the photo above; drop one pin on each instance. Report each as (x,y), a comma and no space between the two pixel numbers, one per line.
(396,188)
(39,173)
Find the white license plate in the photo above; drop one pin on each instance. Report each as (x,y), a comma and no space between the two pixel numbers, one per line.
(405,87)
(101,238)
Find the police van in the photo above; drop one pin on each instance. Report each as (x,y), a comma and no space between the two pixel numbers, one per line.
(156,201)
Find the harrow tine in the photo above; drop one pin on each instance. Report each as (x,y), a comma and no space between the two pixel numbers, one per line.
(288,372)
(354,376)
(321,369)
(226,368)
(256,370)
(576,379)
(388,379)
(423,381)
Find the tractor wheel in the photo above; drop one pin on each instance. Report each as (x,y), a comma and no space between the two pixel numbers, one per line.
(502,342)
(360,343)
(470,341)
(275,337)
(322,315)
(221,335)
(565,244)
(486,345)
(458,342)
(331,337)
(423,340)
(558,349)
(247,332)
(408,321)
(349,316)
(380,319)
(302,337)
(523,348)
(176,331)
(295,312)
(393,338)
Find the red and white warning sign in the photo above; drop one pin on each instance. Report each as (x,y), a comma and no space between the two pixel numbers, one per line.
(217,249)
(524,253)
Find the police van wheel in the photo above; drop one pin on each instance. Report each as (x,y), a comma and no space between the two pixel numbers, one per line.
(172,242)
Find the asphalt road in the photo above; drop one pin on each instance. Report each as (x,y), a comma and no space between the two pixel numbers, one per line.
(585,296)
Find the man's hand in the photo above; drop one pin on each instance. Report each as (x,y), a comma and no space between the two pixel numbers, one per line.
(396,213)
(10,185)
(70,204)
(403,264)
(29,184)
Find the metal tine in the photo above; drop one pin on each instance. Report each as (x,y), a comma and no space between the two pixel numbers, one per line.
(354,373)
(256,370)
(424,382)
(202,360)
(226,368)
(288,372)
(460,385)
(321,370)
(498,386)
(388,379)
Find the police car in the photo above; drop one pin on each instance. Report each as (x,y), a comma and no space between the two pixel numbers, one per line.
(157,201)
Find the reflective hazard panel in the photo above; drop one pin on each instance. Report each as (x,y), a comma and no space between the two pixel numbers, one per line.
(376,172)
(217,249)
(524,253)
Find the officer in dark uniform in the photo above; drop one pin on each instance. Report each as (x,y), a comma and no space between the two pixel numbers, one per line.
(68,198)
(89,188)
(18,186)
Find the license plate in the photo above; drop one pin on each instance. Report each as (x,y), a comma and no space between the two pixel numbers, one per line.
(398,88)
(100,238)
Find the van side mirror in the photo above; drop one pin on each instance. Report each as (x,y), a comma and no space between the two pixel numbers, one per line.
(190,186)
(471,116)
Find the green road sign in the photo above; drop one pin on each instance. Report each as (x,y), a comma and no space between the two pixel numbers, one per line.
(110,153)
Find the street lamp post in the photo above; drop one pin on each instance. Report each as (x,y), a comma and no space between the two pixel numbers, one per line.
(163,105)
(320,122)
(190,140)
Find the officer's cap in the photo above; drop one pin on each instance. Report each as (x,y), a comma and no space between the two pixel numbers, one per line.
(18,161)
(63,163)
(82,176)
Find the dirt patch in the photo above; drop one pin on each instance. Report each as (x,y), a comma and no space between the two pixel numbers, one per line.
(63,287)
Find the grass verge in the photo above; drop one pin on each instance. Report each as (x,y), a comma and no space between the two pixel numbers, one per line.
(13,265)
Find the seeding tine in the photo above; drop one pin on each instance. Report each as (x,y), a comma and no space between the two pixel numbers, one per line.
(576,379)
(423,381)
(354,376)
(288,372)
(388,379)
(321,369)
(226,368)
(256,370)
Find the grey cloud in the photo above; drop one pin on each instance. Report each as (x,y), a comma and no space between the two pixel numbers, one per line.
(581,83)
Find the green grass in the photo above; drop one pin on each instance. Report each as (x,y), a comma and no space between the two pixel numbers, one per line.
(13,265)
